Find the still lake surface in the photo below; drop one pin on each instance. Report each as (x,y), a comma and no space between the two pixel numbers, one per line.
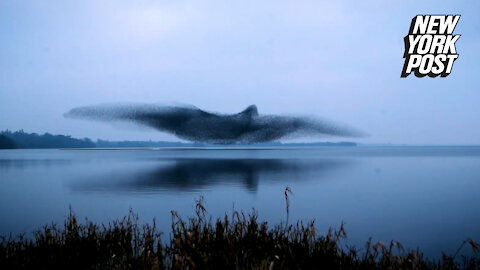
(426,197)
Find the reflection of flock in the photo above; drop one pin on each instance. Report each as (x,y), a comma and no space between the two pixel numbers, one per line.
(194,174)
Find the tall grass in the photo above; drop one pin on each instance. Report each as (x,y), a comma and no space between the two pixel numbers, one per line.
(239,241)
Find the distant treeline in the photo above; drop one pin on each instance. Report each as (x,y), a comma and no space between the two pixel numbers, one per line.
(107,144)
(110,144)
(23,140)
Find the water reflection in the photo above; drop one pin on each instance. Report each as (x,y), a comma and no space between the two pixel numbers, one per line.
(6,164)
(195,174)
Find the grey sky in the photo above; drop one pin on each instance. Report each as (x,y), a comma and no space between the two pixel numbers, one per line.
(341,61)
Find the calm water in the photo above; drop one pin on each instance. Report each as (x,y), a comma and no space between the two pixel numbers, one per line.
(427,197)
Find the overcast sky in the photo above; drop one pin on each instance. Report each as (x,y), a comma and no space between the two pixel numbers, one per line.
(341,61)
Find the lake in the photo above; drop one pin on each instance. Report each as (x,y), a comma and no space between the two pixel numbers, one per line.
(426,197)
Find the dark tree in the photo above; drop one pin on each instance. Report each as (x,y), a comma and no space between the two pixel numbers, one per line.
(6,143)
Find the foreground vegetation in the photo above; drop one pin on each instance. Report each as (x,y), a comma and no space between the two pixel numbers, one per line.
(236,242)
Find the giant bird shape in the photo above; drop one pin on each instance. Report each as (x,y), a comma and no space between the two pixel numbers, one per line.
(193,124)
